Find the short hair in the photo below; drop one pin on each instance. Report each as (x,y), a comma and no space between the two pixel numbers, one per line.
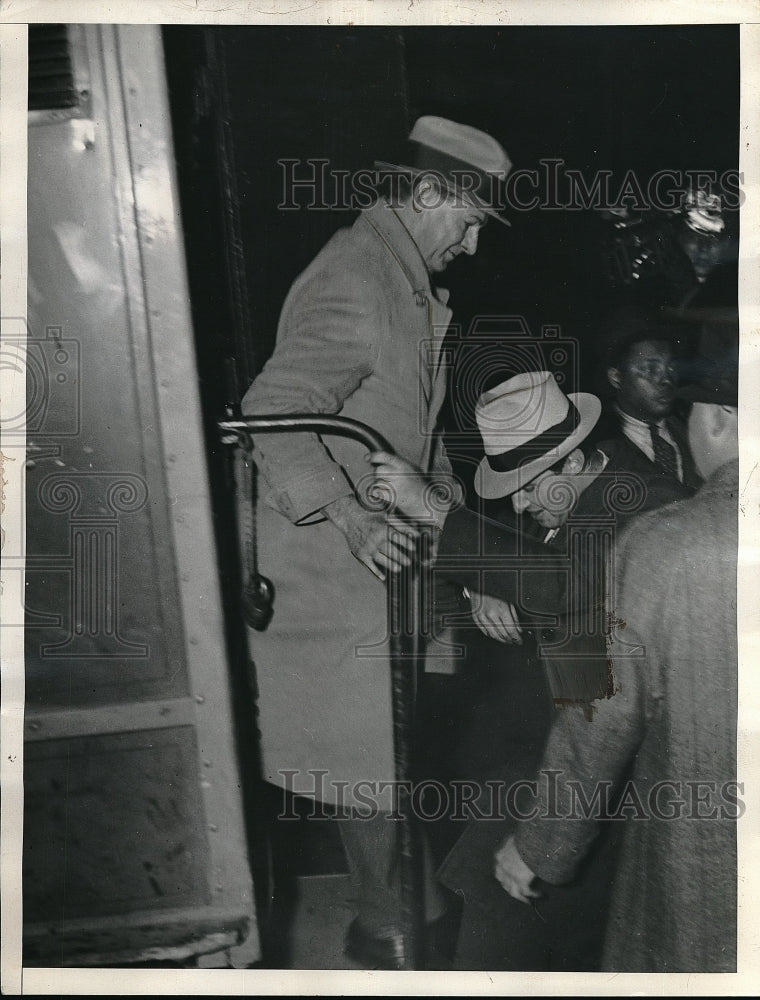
(396,187)
(629,327)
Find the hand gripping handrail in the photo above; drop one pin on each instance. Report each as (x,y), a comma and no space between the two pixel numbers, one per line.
(404,610)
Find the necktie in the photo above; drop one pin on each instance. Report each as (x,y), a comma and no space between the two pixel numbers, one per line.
(664,452)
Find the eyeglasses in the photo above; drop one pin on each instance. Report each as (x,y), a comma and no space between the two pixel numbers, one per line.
(654,369)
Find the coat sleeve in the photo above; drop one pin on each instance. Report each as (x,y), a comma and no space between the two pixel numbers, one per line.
(489,557)
(328,342)
(585,757)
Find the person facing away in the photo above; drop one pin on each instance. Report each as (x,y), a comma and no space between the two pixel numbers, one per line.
(359,335)
(671,720)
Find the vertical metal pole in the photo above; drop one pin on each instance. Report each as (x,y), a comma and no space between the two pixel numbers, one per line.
(405,650)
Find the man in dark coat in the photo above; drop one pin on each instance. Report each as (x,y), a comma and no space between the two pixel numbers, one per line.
(360,335)
(672,721)
(640,430)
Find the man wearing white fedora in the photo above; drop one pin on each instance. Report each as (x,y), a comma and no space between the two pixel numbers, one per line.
(532,432)
(359,335)
(532,435)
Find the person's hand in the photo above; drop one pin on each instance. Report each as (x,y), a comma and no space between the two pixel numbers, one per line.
(513,874)
(495,618)
(409,491)
(382,544)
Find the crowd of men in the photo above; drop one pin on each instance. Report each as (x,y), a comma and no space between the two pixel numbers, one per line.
(616,849)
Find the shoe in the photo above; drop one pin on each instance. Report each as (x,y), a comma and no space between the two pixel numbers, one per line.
(386,950)
(375,951)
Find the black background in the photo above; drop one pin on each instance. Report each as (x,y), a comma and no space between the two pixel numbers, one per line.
(618,98)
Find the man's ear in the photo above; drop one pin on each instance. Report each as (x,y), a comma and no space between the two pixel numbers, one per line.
(427,192)
(574,463)
(614,377)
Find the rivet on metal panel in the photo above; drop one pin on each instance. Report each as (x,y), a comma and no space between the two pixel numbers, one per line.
(213,827)
(193,641)
(179,519)
(34,726)
(218,888)
(200,699)
(30,464)
(171,458)
(205,783)
(207,763)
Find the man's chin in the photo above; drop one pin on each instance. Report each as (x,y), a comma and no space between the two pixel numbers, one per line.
(549,520)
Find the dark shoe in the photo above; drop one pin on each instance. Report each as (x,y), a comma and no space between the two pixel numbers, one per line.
(386,950)
(375,951)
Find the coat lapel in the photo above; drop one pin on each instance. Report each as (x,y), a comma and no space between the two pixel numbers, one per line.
(395,236)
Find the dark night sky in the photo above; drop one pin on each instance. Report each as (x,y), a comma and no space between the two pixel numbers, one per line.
(639,98)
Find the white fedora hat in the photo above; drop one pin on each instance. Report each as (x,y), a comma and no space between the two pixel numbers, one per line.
(463,157)
(527,424)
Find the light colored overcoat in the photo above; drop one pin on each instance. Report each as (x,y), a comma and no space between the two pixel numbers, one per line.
(359,335)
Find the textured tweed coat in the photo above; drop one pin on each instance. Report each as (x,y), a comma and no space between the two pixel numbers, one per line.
(359,335)
(673,716)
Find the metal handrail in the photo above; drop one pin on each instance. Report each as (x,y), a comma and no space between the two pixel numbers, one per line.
(404,599)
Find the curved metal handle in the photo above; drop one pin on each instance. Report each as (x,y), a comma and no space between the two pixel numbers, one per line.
(318,424)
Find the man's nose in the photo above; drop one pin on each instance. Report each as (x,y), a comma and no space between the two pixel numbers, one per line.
(470,241)
(520,502)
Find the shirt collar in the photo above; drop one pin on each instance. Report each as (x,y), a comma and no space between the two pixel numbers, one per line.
(635,422)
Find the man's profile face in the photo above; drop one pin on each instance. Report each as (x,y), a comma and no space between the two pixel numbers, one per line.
(551,496)
(646,383)
(448,227)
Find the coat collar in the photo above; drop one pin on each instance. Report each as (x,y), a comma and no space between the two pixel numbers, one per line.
(398,240)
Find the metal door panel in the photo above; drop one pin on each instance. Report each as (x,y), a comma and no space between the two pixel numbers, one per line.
(135,842)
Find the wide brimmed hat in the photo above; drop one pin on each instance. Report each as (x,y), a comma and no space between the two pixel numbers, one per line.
(465,159)
(528,424)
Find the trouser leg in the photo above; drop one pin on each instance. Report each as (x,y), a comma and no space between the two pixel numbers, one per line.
(373,860)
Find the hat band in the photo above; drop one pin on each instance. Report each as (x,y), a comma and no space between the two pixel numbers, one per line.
(508,461)
(479,183)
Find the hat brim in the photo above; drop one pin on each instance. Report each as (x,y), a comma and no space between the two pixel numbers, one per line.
(492,485)
(418,171)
